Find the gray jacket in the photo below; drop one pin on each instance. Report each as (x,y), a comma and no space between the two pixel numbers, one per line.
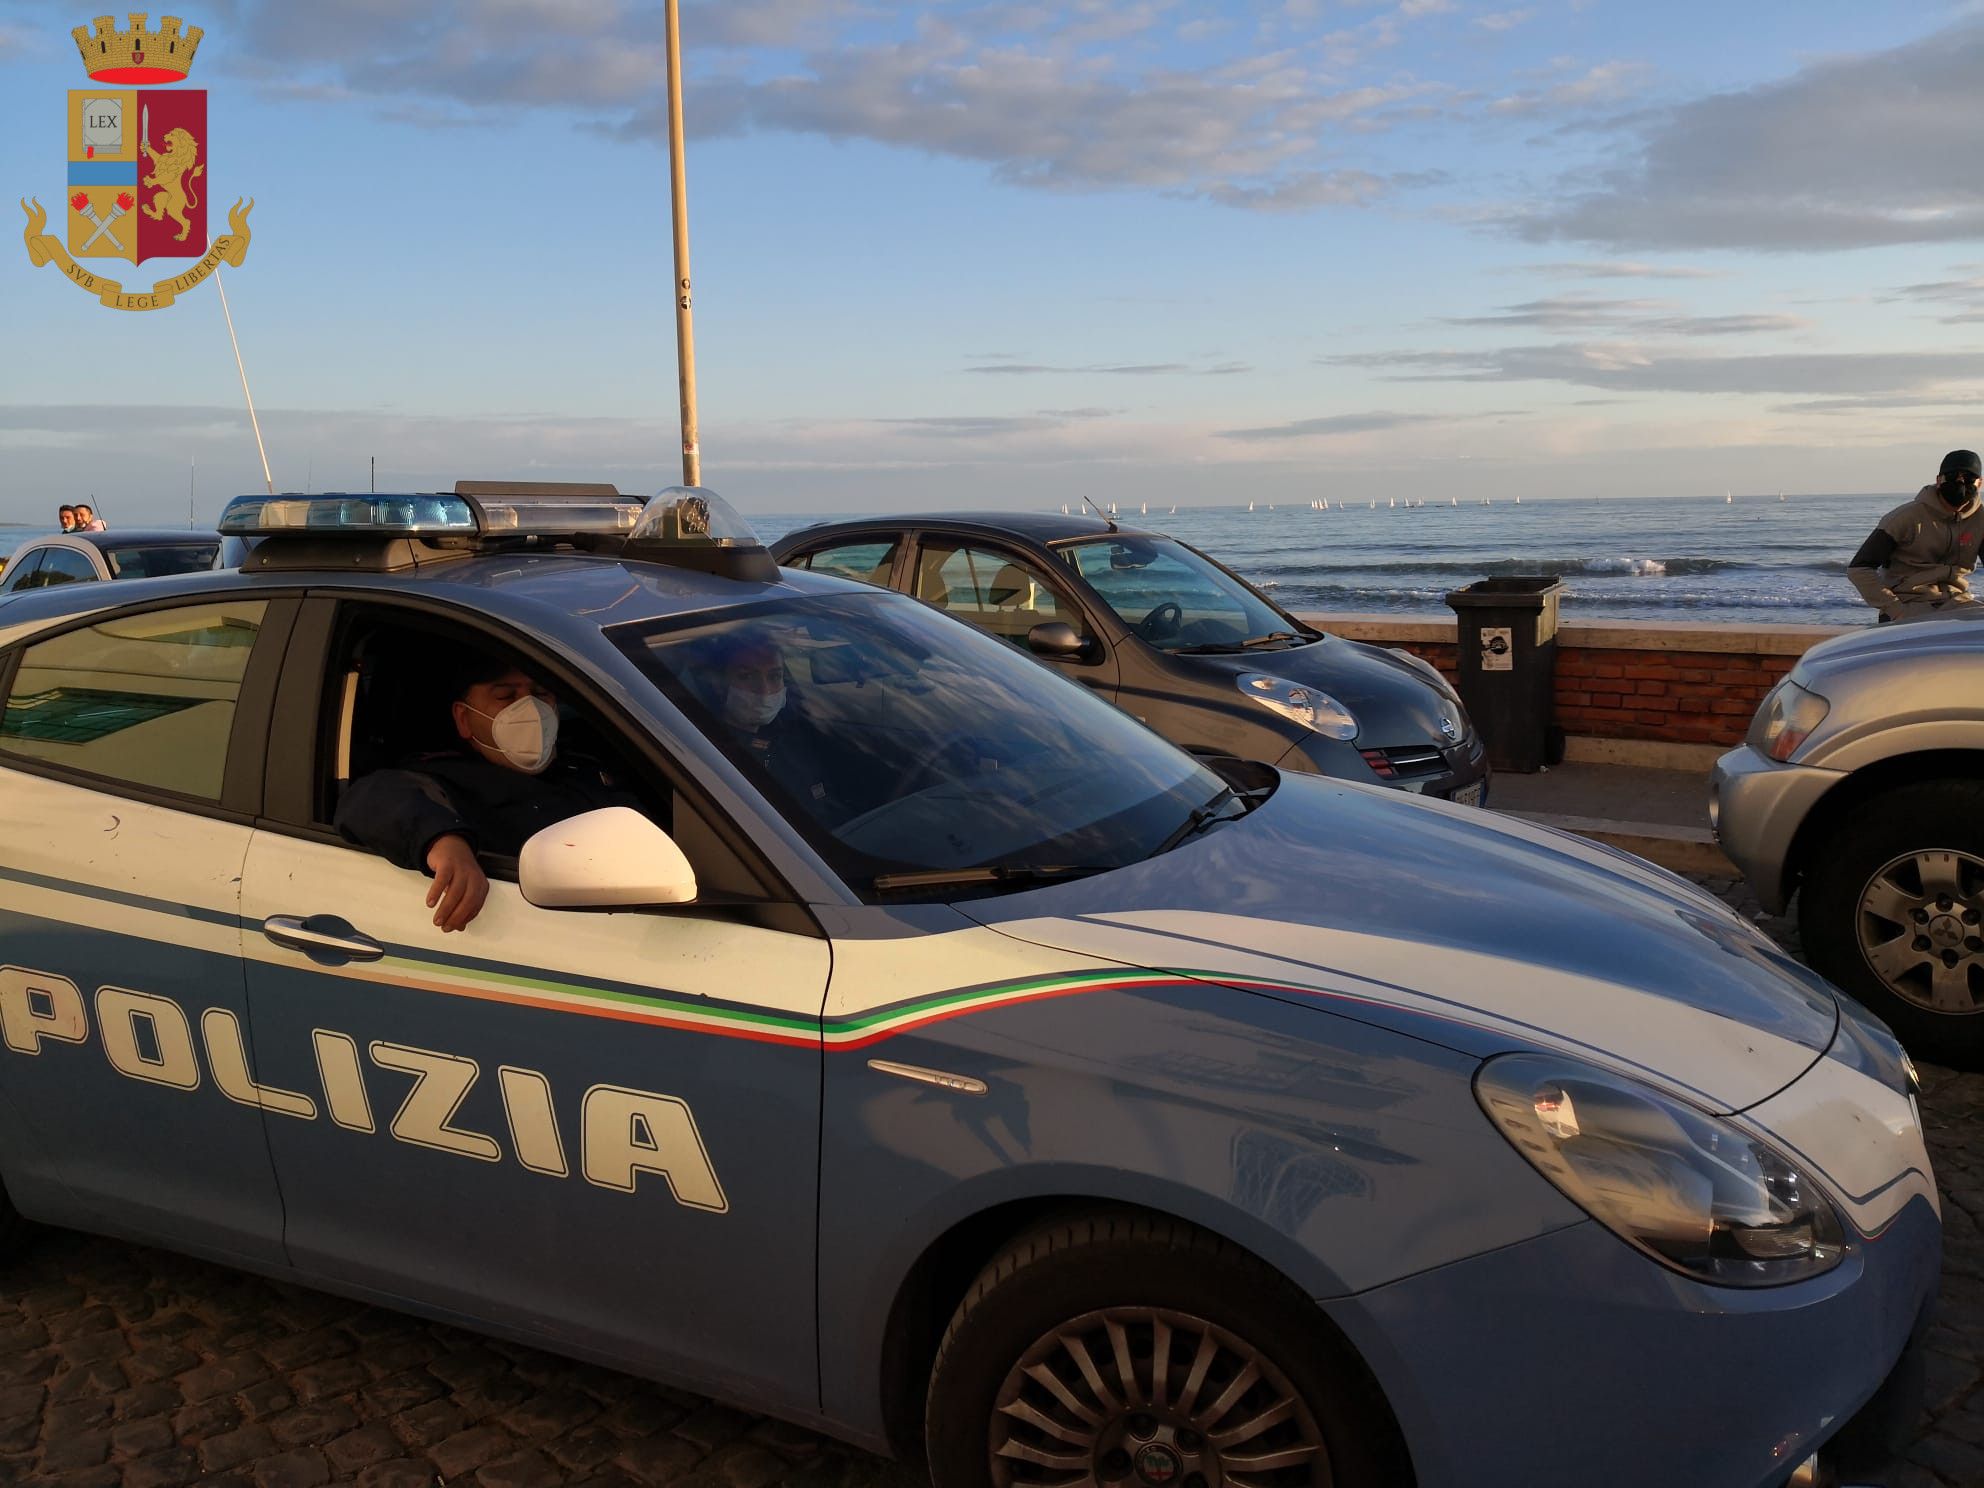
(1919,559)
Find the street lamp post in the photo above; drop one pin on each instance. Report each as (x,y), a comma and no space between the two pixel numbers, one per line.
(685,329)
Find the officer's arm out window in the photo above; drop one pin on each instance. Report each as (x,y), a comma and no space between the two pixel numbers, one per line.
(394,751)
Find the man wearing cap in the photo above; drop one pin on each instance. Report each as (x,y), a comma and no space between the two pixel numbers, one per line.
(1916,564)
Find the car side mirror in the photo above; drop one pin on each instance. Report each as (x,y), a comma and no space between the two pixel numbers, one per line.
(1056,638)
(612,858)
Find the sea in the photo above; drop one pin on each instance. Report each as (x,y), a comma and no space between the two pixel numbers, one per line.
(1745,559)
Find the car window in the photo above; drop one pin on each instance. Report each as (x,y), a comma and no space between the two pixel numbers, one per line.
(389,706)
(21,570)
(900,743)
(995,590)
(1171,596)
(145,699)
(158,560)
(865,562)
(64,566)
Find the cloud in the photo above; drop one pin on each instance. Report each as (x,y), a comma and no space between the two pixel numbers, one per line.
(1628,367)
(1504,20)
(1965,297)
(1883,402)
(1847,153)
(1334,424)
(1053,97)
(1607,83)
(1108,369)
(1644,317)
(1614,269)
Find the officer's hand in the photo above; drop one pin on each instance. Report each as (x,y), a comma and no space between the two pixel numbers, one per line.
(460,885)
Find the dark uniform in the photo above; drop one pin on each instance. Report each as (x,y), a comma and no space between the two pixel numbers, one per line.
(399,813)
(792,752)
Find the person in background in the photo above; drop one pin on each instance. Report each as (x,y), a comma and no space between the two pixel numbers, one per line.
(1916,564)
(66,515)
(87,520)
(501,786)
(750,700)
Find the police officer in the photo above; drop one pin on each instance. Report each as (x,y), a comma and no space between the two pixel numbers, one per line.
(503,785)
(762,724)
(1916,564)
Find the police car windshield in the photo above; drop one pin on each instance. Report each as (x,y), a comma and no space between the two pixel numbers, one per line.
(915,750)
(1175,598)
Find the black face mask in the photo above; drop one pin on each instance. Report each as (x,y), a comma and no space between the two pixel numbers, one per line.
(1956,494)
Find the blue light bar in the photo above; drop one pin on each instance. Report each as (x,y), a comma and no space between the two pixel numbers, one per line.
(430,515)
(348,516)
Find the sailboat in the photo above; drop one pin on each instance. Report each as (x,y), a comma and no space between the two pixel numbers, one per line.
(1518,501)
(1174,511)
(1064,508)
(1250,506)
(1144,511)
(1780,495)
(1727,499)
(1453,501)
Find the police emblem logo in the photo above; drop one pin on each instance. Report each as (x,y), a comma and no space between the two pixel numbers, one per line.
(138,155)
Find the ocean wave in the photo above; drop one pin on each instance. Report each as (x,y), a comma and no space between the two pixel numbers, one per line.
(1652,600)
(1493,567)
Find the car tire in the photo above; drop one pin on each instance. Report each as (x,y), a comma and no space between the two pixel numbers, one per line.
(1116,1284)
(1872,875)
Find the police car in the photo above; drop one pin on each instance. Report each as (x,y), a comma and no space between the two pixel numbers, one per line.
(986,1081)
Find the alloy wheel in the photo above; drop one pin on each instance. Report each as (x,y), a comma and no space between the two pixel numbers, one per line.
(1920,926)
(1144,1397)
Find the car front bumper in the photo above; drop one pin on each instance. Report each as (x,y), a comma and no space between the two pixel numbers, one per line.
(1756,806)
(1572,1359)
(1463,766)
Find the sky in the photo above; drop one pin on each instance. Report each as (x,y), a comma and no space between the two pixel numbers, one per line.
(1013,254)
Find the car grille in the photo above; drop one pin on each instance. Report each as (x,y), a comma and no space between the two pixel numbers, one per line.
(1407,762)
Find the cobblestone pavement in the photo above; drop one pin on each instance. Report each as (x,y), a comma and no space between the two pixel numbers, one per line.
(130,1368)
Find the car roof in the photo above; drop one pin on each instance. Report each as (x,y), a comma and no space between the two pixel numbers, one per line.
(118,537)
(1041,527)
(557,593)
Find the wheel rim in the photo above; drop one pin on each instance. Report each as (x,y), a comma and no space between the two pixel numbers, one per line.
(1143,1397)
(1920,924)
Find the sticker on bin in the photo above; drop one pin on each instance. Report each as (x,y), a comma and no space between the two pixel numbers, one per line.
(1498,646)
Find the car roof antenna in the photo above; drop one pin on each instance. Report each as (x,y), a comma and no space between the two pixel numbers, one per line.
(1108,520)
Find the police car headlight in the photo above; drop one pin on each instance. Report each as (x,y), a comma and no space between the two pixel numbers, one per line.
(1696,1192)
(1311,707)
(1787,719)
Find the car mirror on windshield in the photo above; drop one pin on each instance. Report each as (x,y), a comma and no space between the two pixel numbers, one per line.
(1056,638)
(613,858)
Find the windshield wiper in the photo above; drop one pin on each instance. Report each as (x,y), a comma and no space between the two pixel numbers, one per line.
(996,873)
(1270,638)
(1204,816)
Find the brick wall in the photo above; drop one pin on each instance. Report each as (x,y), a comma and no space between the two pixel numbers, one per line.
(1666,683)
(1684,697)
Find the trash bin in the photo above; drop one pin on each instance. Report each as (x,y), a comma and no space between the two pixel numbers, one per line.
(1508,664)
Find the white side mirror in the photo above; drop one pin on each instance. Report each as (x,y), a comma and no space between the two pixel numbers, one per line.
(604,859)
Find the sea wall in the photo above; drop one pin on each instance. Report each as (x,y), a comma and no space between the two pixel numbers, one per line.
(1653,683)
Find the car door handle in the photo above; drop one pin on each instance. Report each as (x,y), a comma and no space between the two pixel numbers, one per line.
(322,936)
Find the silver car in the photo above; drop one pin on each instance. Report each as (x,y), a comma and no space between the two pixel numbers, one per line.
(98,557)
(1861,790)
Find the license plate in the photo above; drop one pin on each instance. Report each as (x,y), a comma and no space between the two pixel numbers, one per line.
(1469,795)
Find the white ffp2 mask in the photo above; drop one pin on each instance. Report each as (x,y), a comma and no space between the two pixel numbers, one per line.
(525,733)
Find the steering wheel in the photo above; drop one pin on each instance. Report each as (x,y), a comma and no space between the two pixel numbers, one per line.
(1162,622)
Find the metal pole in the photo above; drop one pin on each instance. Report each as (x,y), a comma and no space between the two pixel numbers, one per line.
(261,449)
(685,329)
